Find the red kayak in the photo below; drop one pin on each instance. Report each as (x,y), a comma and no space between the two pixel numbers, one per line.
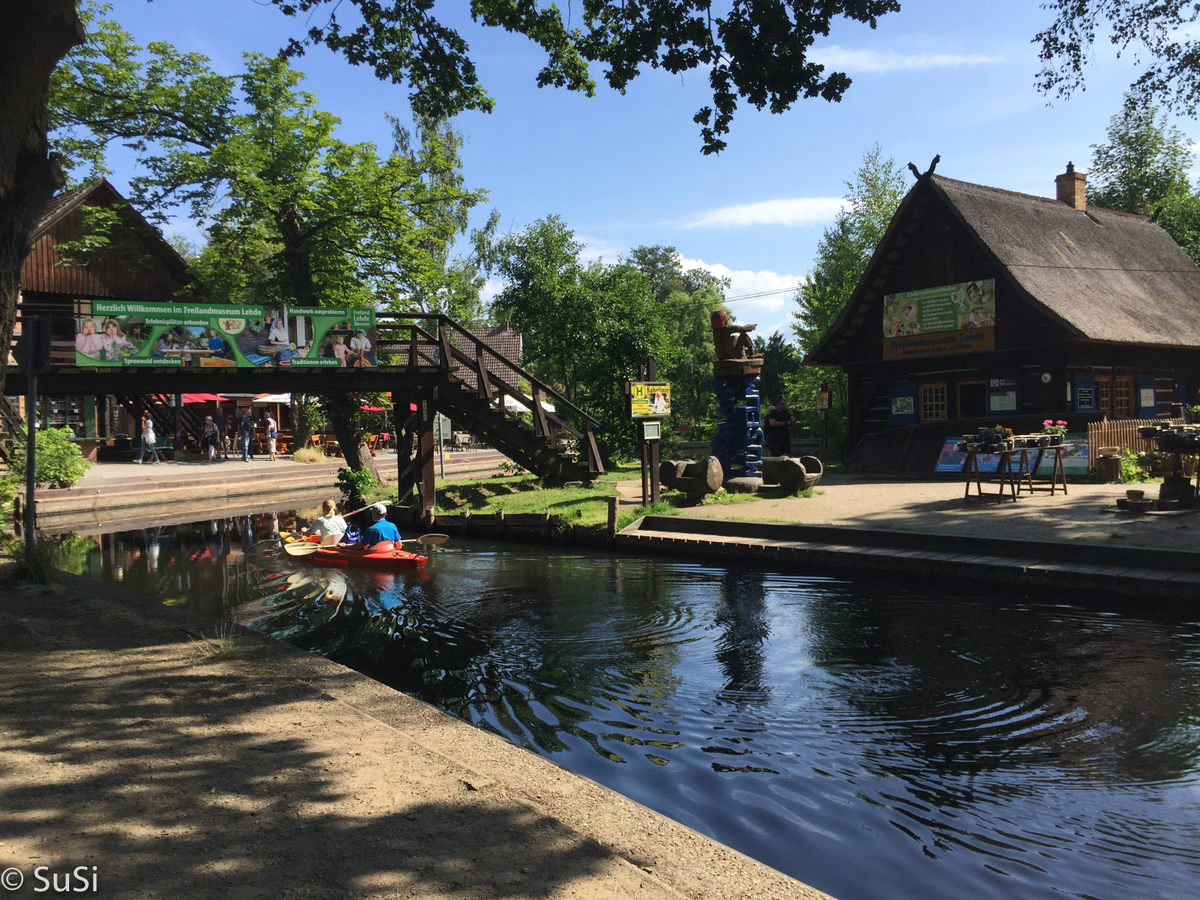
(383,555)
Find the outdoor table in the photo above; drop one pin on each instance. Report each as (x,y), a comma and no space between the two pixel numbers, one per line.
(1008,478)
(1058,475)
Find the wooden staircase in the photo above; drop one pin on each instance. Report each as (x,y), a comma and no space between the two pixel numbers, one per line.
(162,414)
(558,446)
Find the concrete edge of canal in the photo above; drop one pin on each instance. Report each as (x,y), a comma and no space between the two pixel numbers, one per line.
(638,852)
(1136,571)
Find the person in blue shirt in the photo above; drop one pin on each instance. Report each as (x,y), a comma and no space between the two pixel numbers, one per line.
(381,529)
(215,344)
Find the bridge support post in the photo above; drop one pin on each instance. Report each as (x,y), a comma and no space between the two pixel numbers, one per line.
(425,458)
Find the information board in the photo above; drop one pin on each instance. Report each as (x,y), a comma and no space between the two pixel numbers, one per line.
(940,321)
(174,335)
(649,399)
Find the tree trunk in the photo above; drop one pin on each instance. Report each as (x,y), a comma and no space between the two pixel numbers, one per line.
(35,36)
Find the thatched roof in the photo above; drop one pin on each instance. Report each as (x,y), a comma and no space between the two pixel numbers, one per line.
(1103,275)
(1108,276)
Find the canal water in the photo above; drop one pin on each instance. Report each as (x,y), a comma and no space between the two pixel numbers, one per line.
(873,738)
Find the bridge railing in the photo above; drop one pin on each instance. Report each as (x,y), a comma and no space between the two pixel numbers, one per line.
(433,339)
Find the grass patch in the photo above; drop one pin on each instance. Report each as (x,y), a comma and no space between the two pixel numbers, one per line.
(221,645)
(519,494)
(310,455)
(661,508)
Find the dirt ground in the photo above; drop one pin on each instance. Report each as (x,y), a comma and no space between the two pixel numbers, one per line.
(128,755)
(1087,513)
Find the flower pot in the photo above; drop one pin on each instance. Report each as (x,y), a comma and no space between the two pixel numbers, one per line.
(1056,440)
(1044,441)
(1135,495)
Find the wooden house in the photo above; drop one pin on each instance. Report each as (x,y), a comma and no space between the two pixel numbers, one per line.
(983,306)
(136,264)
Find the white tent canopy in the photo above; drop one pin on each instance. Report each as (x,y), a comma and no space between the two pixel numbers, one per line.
(512,404)
(274,398)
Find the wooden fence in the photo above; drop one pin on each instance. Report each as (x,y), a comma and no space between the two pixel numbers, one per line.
(1123,434)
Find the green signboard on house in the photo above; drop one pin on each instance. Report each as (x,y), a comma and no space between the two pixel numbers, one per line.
(173,335)
(940,321)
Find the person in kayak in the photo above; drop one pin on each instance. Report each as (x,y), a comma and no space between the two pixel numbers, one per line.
(329,523)
(381,530)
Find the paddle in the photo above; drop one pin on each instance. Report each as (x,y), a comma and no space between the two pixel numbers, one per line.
(308,548)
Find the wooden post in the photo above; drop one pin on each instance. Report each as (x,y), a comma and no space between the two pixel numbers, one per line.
(654,464)
(645,474)
(612,517)
(425,459)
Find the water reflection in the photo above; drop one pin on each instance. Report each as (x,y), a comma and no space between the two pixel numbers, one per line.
(986,744)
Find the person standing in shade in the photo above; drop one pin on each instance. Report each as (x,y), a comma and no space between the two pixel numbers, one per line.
(272,435)
(245,433)
(148,439)
(381,529)
(779,420)
(222,426)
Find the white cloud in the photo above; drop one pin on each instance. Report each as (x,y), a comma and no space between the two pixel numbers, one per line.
(794,211)
(771,312)
(597,249)
(843,58)
(490,289)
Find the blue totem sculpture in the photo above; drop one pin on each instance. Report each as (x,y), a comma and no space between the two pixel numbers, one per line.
(739,438)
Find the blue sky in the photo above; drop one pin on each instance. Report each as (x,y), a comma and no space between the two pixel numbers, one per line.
(948,78)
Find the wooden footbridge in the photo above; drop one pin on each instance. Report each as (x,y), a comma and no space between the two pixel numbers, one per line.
(426,359)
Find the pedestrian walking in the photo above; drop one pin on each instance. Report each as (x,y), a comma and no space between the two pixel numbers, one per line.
(208,438)
(148,439)
(272,435)
(245,433)
(221,423)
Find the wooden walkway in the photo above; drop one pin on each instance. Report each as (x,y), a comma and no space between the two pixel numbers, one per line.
(1141,572)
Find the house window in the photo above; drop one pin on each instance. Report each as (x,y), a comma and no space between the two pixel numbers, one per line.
(1123,398)
(1104,395)
(933,403)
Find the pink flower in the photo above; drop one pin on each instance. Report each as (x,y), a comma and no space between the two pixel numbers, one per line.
(1048,422)
(1061,422)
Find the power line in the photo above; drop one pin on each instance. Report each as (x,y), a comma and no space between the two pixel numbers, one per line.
(790,290)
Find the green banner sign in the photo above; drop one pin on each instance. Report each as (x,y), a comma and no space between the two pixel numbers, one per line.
(173,335)
(968,310)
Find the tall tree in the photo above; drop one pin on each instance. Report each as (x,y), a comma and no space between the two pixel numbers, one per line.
(757,51)
(1160,34)
(35,35)
(1143,168)
(586,328)
(688,299)
(294,215)
(842,257)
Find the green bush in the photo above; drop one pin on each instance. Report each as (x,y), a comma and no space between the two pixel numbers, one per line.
(50,554)
(1132,471)
(59,463)
(354,483)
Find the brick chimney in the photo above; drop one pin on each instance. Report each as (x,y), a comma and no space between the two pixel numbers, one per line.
(1072,188)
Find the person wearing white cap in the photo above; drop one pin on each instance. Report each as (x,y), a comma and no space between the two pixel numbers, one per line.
(381,529)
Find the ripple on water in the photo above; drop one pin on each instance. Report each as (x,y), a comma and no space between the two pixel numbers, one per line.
(965,745)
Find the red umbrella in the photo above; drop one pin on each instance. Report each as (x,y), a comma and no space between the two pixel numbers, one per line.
(204,398)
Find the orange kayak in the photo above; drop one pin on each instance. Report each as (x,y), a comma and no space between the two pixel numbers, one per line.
(382,556)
